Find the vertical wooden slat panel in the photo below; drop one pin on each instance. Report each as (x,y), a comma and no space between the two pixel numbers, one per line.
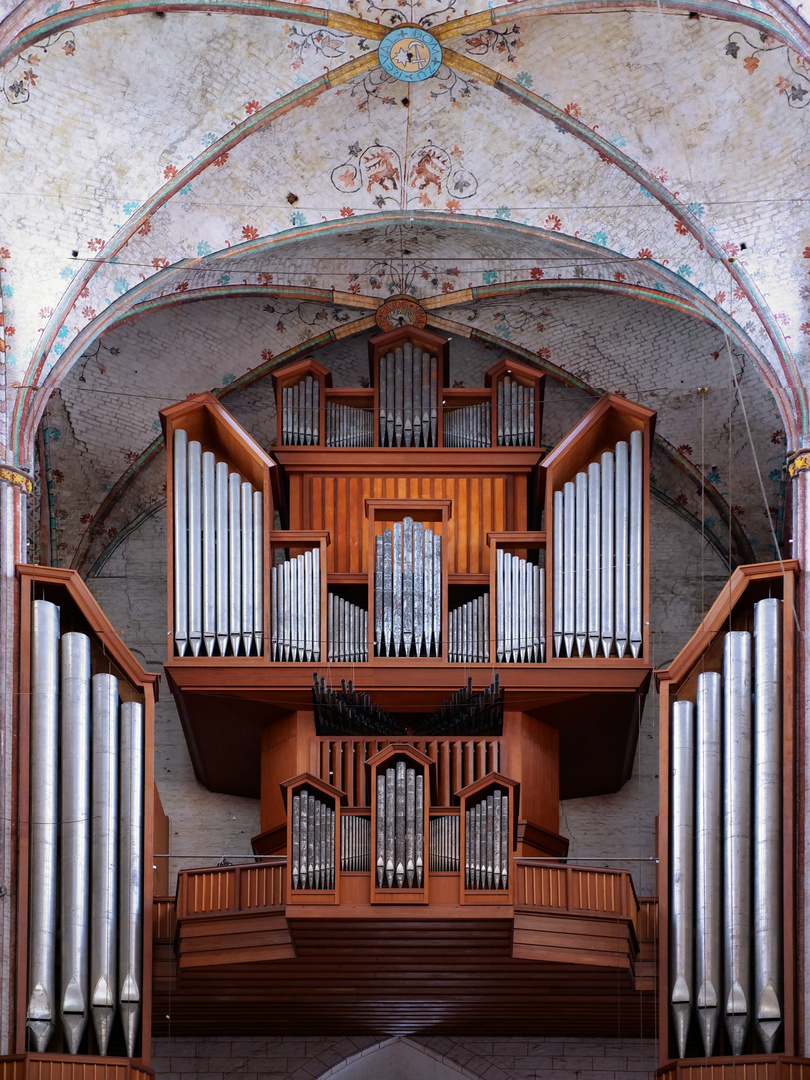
(499,503)
(359,766)
(329,520)
(443,777)
(474,524)
(461,526)
(458,783)
(356,532)
(365,493)
(487,523)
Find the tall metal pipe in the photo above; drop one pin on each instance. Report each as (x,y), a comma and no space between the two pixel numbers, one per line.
(581,548)
(418,586)
(247,566)
(42,903)
(608,522)
(209,566)
(388,591)
(380,829)
(390,826)
(557,572)
(427,599)
(194,546)
(104,859)
(622,534)
(708,854)
(569,567)
(130,895)
(180,507)
(737,835)
(222,549)
(635,598)
(594,552)
(682,912)
(437,593)
(258,569)
(74,912)
(768,811)
(234,561)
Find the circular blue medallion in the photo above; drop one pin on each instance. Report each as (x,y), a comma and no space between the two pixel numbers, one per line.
(410,53)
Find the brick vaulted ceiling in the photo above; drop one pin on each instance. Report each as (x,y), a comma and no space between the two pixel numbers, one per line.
(195,190)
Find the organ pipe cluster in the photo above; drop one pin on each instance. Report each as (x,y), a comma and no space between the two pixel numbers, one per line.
(295,614)
(313,842)
(726,843)
(400,853)
(470,425)
(408,590)
(218,556)
(598,542)
(409,398)
(486,842)
(520,610)
(347,425)
(355,842)
(515,413)
(348,711)
(347,631)
(85,924)
(443,850)
(300,413)
(469,632)
(467,713)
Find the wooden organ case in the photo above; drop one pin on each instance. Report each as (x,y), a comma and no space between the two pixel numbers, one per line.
(410,631)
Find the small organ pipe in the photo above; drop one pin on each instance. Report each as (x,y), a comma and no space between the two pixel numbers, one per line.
(682,783)
(407,389)
(130,927)
(390,827)
(381,818)
(399,832)
(104,857)
(75,836)
(708,854)
(767,839)
(347,629)
(408,601)
(486,845)
(399,395)
(209,554)
(388,591)
(397,587)
(194,546)
(42,904)
(434,401)
(737,835)
(407,584)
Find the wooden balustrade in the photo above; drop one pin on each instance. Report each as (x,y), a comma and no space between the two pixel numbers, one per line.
(230,889)
(71,1067)
(573,888)
(776,1067)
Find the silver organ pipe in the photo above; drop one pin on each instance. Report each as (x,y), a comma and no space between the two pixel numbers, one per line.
(313,842)
(520,610)
(218,556)
(43,898)
(515,413)
(347,631)
(75,836)
(408,590)
(130,893)
(736,856)
(355,842)
(444,836)
(469,632)
(408,398)
(469,425)
(296,608)
(682,831)
(486,841)
(300,413)
(95,754)
(104,893)
(767,840)
(348,425)
(708,853)
(597,555)
(400,838)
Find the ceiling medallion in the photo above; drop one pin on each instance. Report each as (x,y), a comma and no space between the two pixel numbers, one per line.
(410,54)
(400,311)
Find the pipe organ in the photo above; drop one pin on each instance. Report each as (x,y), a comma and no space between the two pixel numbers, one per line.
(312,857)
(87,841)
(443,844)
(408,590)
(728,701)
(470,425)
(347,631)
(218,556)
(355,843)
(408,397)
(296,608)
(300,413)
(468,641)
(347,425)
(486,841)
(597,557)
(520,610)
(400,831)
(515,413)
